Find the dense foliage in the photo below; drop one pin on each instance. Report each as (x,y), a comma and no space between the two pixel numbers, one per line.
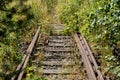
(13,18)
(18,21)
(99,21)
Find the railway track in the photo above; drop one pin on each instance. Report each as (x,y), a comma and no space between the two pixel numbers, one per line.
(90,63)
(60,58)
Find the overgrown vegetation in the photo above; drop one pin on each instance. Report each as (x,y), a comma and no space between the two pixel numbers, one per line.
(18,21)
(98,20)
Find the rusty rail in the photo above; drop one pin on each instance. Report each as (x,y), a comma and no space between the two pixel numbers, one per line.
(26,57)
(89,61)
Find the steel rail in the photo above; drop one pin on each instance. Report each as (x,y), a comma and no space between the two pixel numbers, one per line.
(88,58)
(26,57)
(89,52)
(90,73)
(19,66)
(29,51)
